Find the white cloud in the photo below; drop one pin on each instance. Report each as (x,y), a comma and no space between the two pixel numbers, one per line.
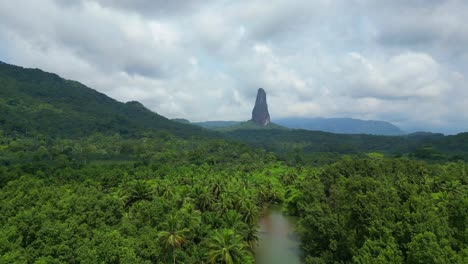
(401,76)
(403,61)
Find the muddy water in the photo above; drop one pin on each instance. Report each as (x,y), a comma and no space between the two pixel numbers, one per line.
(278,243)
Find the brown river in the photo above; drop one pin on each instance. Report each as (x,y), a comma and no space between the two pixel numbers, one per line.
(278,243)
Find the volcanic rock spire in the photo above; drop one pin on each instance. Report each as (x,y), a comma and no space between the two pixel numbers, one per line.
(260,115)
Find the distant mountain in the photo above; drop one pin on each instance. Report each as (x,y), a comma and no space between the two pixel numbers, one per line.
(224,126)
(425,134)
(342,125)
(250,125)
(36,102)
(216,124)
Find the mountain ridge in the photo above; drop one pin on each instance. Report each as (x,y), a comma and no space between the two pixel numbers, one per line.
(342,125)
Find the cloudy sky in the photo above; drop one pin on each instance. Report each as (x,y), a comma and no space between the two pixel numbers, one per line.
(403,61)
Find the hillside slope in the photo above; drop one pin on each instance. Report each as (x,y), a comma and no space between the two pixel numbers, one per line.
(33,101)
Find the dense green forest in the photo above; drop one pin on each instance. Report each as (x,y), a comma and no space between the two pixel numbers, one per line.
(148,200)
(108,182)
(426,146)
(383,211)
(160,199)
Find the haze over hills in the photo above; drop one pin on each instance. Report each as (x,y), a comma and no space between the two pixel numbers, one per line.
(332,125)
(216,124)
(261,118)
(342,125)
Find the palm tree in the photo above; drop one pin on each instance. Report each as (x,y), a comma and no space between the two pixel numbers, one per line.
(454,188)
(204,200)
(165,190)
(191,215)
(212,219)
(196,191)
(173,235)
(251,236)
(216,188)
(224,203)
(139,190)
(250,213)
(225,246)
(241,198)
(233,220)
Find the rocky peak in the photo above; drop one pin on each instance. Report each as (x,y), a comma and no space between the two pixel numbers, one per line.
(260,115)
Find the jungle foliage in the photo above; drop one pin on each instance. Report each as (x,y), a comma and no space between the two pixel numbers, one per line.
(154,199)
(87,179)
(379,210)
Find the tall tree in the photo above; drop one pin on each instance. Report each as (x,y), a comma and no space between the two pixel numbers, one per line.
(225,246)
(173,235)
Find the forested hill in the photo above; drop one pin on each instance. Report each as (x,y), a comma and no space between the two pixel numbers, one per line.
(36,102)
(427,146)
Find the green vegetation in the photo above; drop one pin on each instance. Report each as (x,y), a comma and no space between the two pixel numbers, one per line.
(316,145)
(148,200)
(35,102)
(86,179)
(383,211)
